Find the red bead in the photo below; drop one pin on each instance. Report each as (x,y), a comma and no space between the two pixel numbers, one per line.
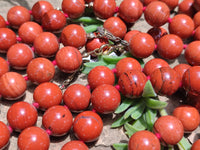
(170,46)
(58,119)
(169,128)
(157,33)
(100,75)
(33,138)
(17,15)
(4,134)
(73,35)
(46,44)
(68,59)
(181,25)
(196,19)
(116,26)
(12,85)
(186,7)
(197,33)
(4,67)
(21,115)
(40,70)
(19,55)
(72,145)
(157,13)
(165,81)
(143,140)
(73,8)
(130,34)
(28,31)
(196,145)
(7,39)
(77,97)
(47,94)
(86,122)
(104,8)
(146,2)
(144,42)
(171,4)
(132,83)
(130,10)
(2,22)
(192,54)
(181,68)
(39,9)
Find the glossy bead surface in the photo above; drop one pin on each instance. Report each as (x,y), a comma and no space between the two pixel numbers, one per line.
(181,68)
(130,34)
(40,70)
(47,94)
(19,55)
(157,33)
(21,115)
(4,66)
(186,7)
(2,22)
(46,44)
(58,119)
(100,75)
(33,138)
(77,97)
(192,54)
(72,145)
(196,19)
(165,81)
(68,59)
(84,123)
(196,145)
(73,8)
(4,135)
(171,4)
(12,85)
(157,13)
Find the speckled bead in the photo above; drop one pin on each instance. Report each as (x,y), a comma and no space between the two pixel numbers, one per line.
(75,144)
(4,134)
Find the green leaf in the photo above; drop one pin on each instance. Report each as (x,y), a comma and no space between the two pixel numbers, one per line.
(139,124)
(112,59)
(130,130)
(94,64)
(132,109)
(150,117)
(111,66)
(184,144)
(86,70)
(120,146)
(148,90)
(138,112)
(155,104)
(91,28)
(120,121)
(124,105)
(87,20)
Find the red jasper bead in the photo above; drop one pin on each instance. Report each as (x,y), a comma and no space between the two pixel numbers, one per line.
(170,46)
(146,2)
(189,116)
(157,33)
(46,44)
(169,128)
(100,75)
(4,66)
(72,145)
(127,64)
(21,115)
(77,97)
(53,20)
(171,4)
(181,25)
(197,33)
(84,123)
(196,19)
(186,7)
(73,35)
(157,13)
(19,55)
(58,119)
(12,85)
(192,54)
(17,15)
(132,83)
(40,70)
(28,31)
(116,26)
(104,9)
(143,140)
(33,138)
(4,134)
(47,94)
(181,68)
(68,59)
(73,8)
(7,39)
(196,145)
(154,64)
(2,22)
(130,34)
(142,41)
(130,10)
(165,81)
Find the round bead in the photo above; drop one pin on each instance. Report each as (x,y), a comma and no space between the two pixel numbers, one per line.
(186,7)
(165,81)
(100,75)
(46,44)
(40,70)
(73,8)
(130,10)
(33,138)
(73,35)
(171,4)
(4,135)
(17,15)
(47,94)
(196,19)
(197,33)
(12,85)
(72,145)
(143,140)
(4,66)
(21,115)
(192,54)
(147,2)
(157,13)
(19,55)
(77,97)
(181,68)
(196,145)
(170,46)
(132,83)
(28,31)
(2,22)
(157,33)
(130,34)
(68,59)
(58,119)
(84,123)
(116,26)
